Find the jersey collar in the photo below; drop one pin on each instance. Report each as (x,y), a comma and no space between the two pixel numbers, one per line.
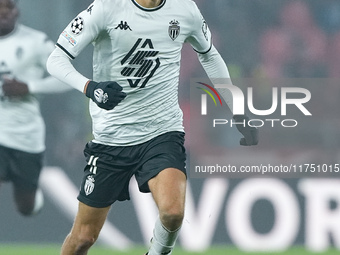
(149,9)
(10,33)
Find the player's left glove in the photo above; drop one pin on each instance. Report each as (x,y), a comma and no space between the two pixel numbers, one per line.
(251,134)
(14,88)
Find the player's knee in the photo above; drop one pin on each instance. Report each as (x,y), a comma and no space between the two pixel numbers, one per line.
(84,244)
(172,219)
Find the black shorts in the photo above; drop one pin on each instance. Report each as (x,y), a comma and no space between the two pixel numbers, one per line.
(20,168)
(110,168)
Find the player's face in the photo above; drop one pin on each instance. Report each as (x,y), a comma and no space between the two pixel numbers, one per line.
(8,16)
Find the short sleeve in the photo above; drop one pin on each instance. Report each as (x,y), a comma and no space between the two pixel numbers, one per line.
(82,30)
(200,37)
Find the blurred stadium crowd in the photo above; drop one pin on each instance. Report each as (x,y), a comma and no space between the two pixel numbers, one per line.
(282,38)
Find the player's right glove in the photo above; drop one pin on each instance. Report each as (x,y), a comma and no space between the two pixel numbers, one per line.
(251,134)
(106,95)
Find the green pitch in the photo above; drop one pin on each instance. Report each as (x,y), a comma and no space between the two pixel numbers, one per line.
(54,250)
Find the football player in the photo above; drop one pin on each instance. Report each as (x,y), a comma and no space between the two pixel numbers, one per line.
(137,121)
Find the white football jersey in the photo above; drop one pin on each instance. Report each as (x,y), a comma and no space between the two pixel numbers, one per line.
(23,55)
(140,49)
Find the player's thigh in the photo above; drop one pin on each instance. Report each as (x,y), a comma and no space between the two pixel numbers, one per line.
(163,152)
(168,190)
(164,170)
(89,221)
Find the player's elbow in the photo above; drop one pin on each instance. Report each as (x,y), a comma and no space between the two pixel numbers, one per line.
(57,62)
(50,64)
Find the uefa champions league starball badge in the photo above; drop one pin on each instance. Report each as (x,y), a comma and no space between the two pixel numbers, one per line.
(77,25)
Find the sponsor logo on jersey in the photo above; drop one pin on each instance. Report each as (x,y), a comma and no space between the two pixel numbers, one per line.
(174,29)
(141,63)
(89,185)
(69,38)
(123,25)
(77,25)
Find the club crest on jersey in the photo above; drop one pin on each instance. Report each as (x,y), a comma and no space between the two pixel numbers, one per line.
(174,29)
(77,25)
(89,185)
